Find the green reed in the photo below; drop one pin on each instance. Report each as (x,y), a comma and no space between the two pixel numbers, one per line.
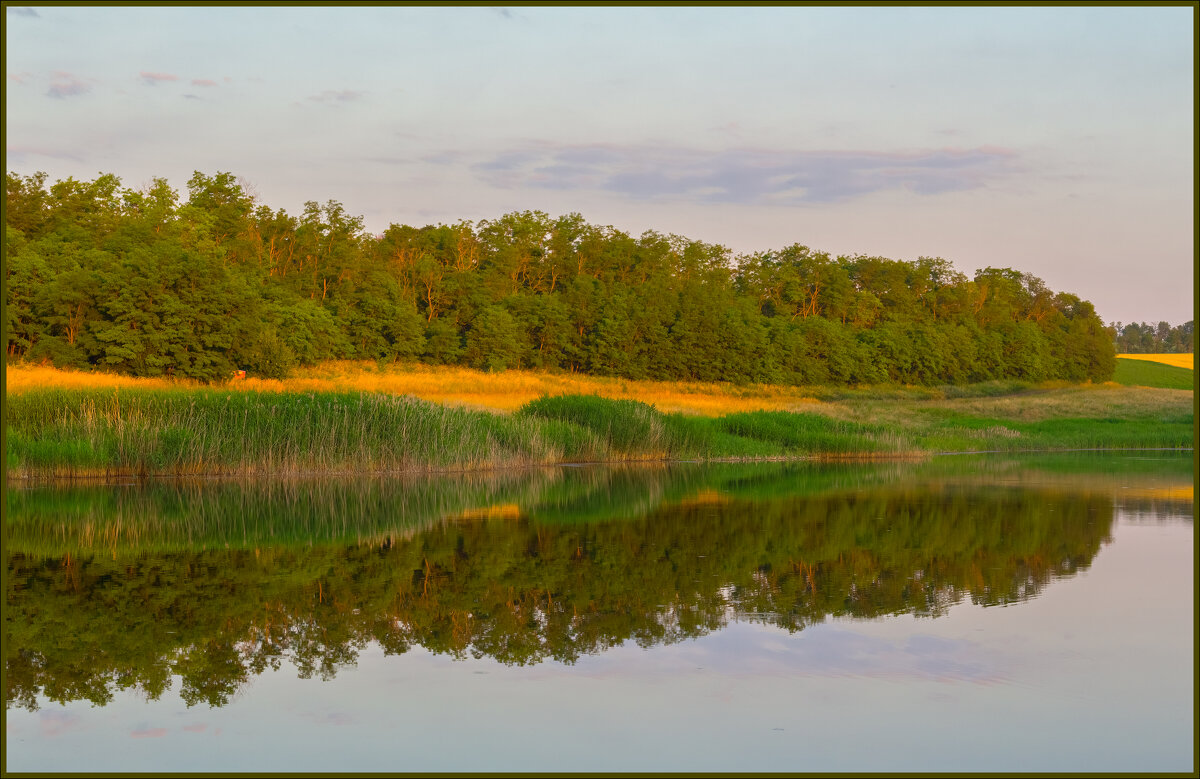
(203,431)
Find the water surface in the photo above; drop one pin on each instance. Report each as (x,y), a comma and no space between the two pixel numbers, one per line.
(966,614)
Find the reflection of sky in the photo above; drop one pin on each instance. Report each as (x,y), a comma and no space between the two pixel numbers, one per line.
(1096,674)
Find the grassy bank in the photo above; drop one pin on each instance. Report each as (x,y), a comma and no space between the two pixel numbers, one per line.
(183,430)
(204,431)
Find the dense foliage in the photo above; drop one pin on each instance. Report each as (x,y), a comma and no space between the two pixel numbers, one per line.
(142,283)
(1143,338)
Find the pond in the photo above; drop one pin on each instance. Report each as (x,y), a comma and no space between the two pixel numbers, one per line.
(973,613)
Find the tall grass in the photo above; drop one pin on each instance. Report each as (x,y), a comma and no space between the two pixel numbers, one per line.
(201,431)
(631,428)
(181,430)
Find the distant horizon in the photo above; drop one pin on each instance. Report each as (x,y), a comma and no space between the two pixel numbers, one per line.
(1054,141)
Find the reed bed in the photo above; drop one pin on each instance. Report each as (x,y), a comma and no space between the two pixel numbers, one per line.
(203,431)
(134,432)
(75,426)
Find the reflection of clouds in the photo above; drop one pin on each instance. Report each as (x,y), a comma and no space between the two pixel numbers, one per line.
(751,649)
(56,723)
(336,718)
(152,79)
(846,653)
(743,175)
(67,85)
(835,652)
(148,733)
(337,96)
(198,727)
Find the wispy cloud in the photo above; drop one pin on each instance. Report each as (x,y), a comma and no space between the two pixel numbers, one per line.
(66,84)
(337,96)
(203,82)
(23,11)
(20,154)
(20,78)
(744,176)
(153,79)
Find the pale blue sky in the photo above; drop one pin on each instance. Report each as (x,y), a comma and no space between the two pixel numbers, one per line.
(1058,141)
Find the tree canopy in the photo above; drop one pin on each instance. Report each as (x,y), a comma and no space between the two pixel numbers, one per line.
(147,283)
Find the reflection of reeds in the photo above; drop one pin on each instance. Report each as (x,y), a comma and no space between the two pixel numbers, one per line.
(238,513)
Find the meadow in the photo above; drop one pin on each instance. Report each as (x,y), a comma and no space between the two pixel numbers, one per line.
(1169,371)
(364,418)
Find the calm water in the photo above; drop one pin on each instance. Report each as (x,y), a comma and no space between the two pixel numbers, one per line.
(964,614)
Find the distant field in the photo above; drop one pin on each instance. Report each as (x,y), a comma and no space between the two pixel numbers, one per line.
(1138,371)
(1178,360)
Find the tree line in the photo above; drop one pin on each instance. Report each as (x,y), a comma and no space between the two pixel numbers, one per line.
(1143,338)
(144,283)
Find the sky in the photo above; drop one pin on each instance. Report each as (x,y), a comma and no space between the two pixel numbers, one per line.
(1056,141)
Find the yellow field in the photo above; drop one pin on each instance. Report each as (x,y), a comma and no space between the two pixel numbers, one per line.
(1178,360)
(505,391)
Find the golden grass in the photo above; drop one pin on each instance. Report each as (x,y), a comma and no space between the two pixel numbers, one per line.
(498,392)
(1178,360)
(19,378)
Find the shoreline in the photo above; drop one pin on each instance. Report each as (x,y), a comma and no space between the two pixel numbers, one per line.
(134,478)
(131,433)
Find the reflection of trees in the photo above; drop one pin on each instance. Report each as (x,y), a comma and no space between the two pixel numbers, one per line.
(522,591)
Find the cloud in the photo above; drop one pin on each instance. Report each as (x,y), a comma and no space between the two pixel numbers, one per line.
(385,160)
(24,11)
(20,78)
(67,85)
(744,176)
(442,158)
(20,154)
(190,96)
(154,78)
(336,96)
(203,82)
